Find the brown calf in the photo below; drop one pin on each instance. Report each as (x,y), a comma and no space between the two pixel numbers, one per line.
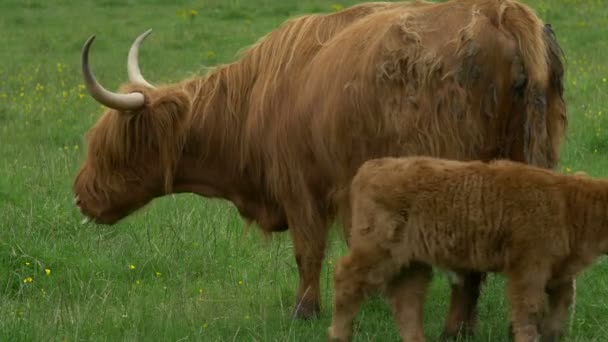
(536,227)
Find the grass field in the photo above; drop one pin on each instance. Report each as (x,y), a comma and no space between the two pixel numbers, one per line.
(180,270)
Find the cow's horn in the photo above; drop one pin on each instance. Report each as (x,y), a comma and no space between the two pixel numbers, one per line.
(112,100)
(135,75)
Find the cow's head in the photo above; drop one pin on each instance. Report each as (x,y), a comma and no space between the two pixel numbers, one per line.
(134,148)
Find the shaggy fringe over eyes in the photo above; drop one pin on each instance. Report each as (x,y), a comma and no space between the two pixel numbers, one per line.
(123,140)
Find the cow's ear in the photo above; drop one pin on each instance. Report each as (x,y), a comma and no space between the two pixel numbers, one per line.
(169,100)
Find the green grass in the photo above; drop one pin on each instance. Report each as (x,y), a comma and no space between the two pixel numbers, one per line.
(194,276)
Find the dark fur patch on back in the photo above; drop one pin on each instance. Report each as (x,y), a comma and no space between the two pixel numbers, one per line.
(469,71)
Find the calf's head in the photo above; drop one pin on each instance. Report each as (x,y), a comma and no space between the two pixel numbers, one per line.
(134,148)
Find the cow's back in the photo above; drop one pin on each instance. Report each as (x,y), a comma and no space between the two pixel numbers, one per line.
(431,79)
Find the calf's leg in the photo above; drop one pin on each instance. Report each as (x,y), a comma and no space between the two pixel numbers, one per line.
(462,313)
(561,297)
(407,293)
(356,275)
(526,294)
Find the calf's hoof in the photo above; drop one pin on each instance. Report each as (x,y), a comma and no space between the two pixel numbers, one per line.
(306,310)
(333,336)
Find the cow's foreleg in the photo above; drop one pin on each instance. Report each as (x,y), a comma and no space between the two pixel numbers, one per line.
(309,251)
(462,314)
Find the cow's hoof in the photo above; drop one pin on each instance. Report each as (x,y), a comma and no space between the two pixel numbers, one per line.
(306,310)
(462,335)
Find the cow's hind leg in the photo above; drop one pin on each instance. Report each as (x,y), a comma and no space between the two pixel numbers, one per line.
(407,293)
(462,314)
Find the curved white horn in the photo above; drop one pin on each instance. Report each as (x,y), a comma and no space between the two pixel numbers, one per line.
(99,93)
(135,75)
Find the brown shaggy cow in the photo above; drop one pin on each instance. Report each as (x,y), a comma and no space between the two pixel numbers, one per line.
(281,131)
(537,227)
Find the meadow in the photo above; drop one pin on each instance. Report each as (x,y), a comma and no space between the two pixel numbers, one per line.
(181,269)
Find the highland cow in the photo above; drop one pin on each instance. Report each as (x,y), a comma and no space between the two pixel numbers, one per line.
(537,227)
(281,131)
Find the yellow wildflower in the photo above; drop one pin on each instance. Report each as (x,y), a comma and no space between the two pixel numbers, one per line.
(337,7)
(158,274)
(131,267)
(28,280)
(47,271)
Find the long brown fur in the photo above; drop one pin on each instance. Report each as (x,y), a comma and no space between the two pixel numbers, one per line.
(281,131)
(537,227)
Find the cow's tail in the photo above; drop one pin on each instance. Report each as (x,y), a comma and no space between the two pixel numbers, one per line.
(542,130)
